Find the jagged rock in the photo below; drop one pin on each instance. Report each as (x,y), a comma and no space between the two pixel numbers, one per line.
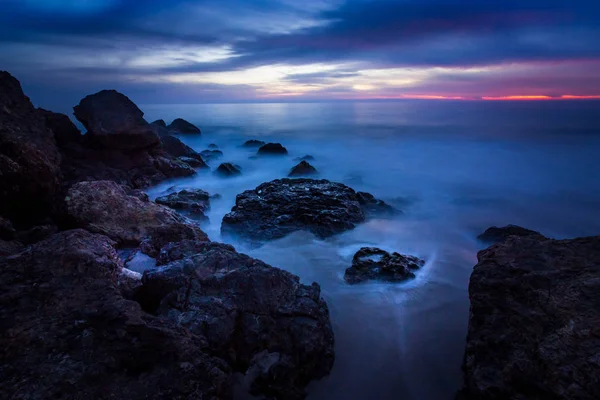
(177,148)
(182,126)
(228,170)
(534,321)
(307,157)
(303,169)
(67,331)
(29,159)
(272,149)
(211,154)
(244,308)
(114,121)
(278,208)
(495,234)
(61,126)
(370,263)
(253,143)
(193,201)
(213,146)
(105,207)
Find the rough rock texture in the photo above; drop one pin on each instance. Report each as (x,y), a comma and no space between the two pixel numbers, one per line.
(175,251)
(370,263)
(177,148)
(495,234)
(534,326)
(171,234)
(61,126)
(29,159)
(228,170)
(303,169)
(105,207)
(211,154)
(192,201)
(246,310)
(67,332)
(253,143)
(182,126)
(278,208)
(114,121)
(272,149)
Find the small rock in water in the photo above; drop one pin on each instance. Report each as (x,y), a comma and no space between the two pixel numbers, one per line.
(253,143)
(213,146)
(194,201)
(371,263)
(307,157)
(496,234)
(211,154)
(228,169)
(272,149)
(182,126)
(303,169)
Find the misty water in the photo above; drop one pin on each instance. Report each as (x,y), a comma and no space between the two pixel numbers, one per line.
(454,168)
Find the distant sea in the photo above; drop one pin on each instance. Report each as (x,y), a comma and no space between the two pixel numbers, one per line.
(454,168)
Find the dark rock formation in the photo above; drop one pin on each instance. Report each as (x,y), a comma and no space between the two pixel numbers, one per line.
(29,158)
(307,157)
(278,208)
(160,128)
(114,121)
(182,126)
(211,154)
(175,251)
(192,201)
(534,321)
(303,169)
(246,310)
(371,263)
(160,122)
(253,143)
(228,170)
(496,234)
(213,146)
(375,207)
(272,149)
(177,148)
(61,126)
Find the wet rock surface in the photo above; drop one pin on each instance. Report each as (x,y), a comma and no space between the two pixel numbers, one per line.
(303,169)
(534,320)
(371,263)
(182,126)
(272,149)
(192,201)
(228,170)
(278,208)
(495,234)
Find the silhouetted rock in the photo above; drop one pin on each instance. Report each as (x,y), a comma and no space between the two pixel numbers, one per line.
(307,157)
(29,158)
(182,126)
(371,263)
(272,149)
(228,169)
(61,126)
(213,146)
(160,128)
(534,320)
(177,148)
(192,201)
(209,155)
(303,169)
(160,122)
(495,234)
(253,143)
(278,208)
(114,121)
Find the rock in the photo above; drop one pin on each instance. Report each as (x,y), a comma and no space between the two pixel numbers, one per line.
(7,231)
(374,207)
(303,169)
(160,128)
(228,170)
(164,235)
(272,149)
(61,126)
(68,332)
(105,207)
(193,201)
(30,174)
(245,308)
(160,122)
(37,233)
(193,162)
(213,146)
(211,154)
(495,234)
(534,320)
(253,143)
(371,263)
(114,121)
(182,126)
(177,148)
(278,208)
(175,251)
(307,157)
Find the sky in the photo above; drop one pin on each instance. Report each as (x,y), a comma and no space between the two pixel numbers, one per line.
(197,51)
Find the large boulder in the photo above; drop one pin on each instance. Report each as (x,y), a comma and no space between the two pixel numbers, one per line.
(105,207)
(303,169)
(30,174)
(114,121)
(68,332)
(278,208)
(495,234)
(249,312)
(61,126)
(534,325)
(272,149)
(370,263)
(182,126)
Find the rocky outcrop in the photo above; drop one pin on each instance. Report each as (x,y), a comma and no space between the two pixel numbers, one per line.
(177,148)
(496,234)
(370,263)
(228,170)
(193,201)
(209,155)
(272,149)
(114,121)
(253,143)
(303,169)
(249,312)
(534,320)
(30,174)
(61,126)
(182,126)
(278,208)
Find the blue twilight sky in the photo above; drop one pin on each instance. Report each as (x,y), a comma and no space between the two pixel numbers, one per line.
(186,51)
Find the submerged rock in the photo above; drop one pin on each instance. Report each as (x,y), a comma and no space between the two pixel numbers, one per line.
(272,149)
(495,234)
(182,126)
(193,201)
(211,154)
(228,170)
(253,143)
(534,321)
(278,208)
(371,263)
(303,169)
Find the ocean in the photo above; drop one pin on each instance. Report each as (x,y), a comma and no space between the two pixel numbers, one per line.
(455,168)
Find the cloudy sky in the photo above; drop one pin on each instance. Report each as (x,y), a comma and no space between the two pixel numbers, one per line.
(188,51)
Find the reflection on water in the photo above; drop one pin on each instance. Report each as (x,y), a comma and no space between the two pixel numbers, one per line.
(455,168)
